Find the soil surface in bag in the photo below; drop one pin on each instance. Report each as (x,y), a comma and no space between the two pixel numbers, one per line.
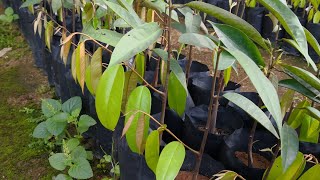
(227,121)
(233,153)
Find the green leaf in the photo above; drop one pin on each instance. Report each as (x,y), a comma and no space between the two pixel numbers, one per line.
(313,112)
(262,84)
(41,131)
(50,107)
(312,41)
(131,80)
(81,169)
(312,173)
(297,114)
(177,96)
(293,172)
(286,101)
(28,3)
(139,99)
(230,19)
(302,75)
(152,150)
(72,143)
(57,124)
(233,39)
(128,6)
(177,70)
(290,23)
(96,68)
(58,161)
(161,7)
(197,40)
(88,80)
(139,38)
(109,96)
(192,22)
(289,146)
(253,110)
(309,131)
(162,53)
(72,104)
(9,11)
(140,65)
(55,5)
(226,60)
(85,122)
(296,46)
(62,177)
(227,75)
(124,14)
(295,85)
(103,35)
(170,161)
(79,152)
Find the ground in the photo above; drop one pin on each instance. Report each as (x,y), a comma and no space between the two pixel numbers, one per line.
(21,88)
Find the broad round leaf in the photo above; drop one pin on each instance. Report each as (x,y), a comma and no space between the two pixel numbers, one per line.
(50,107)
(80,169)
(41,131)
(109,96)
(85,122)
(57,124)
(170,161)
(72,104)
(58,161)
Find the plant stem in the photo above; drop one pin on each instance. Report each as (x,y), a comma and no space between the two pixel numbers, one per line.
(213,100)
(188,66)
(250,144)
(243,9)
(237,7)
(165,96)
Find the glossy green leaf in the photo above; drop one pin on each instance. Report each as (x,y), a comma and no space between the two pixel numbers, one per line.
(80,169)
(296,46)
(131,80)
(50,107)
(139,38)
(226,60)
(140,65)
(262,84)
(312,41)
(192,22)
(152,150)
(302,75)
(253,110)
(41,131)
(177,96)
(109,96)
(293,172)
(72,104)
(312,173)
(85,122)
(180,75)
(295,85)
(139,99)
(297,114)
(162,53)
(96,69)
(128,6)
(124,14)
(309,130)
(58,161)
(313,112)
(103,35)
(233,39)
(230,19)
(170,161)
(227,75)
(286,101)
(197,40)
(289,146)
(161,7)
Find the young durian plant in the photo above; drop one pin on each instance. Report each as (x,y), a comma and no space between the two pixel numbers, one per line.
(122,89)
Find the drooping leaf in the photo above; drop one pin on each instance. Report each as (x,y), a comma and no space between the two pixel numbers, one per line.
(74,65)
(109,96)
(152,150)
(312,41)
(197,40)
(81,64)
(295,85)
(230,19)
(49,34)
(293,172)
(177,96)
(253,110)
(88,79)
(297,114)
(58,161)
(170,161)
(139,39)
(312,173)
(227,75)
(140,65)
(50,107)
(96,68)
(139,99)
(65,49)
(140,134)
(233,39)
(72,104)
(85,122)
(41,131)
(290,23)
(80,169)
(262,84)
(131,80)
(289,146)
(163,71)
